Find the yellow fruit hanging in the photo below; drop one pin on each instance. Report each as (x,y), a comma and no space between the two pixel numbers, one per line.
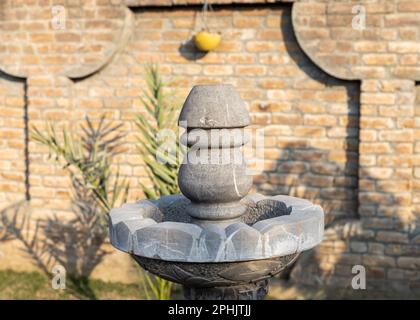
(207,41)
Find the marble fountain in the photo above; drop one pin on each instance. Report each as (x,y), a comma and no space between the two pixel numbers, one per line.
(215,239)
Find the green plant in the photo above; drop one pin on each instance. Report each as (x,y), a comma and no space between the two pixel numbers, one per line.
(154,288)
(88,160)
(158,142)
(159,148)
(76,244)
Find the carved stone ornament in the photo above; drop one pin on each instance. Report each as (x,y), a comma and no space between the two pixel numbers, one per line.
(215,239)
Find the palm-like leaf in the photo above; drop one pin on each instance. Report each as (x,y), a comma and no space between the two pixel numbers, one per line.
(77,244)
(89,158)
(161,167)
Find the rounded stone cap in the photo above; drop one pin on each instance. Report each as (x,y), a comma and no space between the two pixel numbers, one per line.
(214,106)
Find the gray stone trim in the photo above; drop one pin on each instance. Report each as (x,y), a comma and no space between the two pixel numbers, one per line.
(137,229)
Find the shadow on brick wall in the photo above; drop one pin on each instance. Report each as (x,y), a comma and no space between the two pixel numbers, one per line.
(74,244)
(349,239)
(189,51)
(341,177)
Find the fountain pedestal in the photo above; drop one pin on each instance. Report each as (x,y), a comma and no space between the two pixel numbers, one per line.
(216,240)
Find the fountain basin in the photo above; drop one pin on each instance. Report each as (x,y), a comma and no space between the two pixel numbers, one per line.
(271,227)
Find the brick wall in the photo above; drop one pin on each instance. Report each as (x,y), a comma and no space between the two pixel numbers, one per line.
(308,153)
(314,85)
(12,145)
(385,57)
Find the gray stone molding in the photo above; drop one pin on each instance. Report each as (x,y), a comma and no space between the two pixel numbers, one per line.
(140,228)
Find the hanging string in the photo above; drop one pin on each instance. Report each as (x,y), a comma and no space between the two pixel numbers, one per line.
(206,7)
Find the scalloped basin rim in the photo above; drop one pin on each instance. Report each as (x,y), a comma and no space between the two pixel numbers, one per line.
(135,228)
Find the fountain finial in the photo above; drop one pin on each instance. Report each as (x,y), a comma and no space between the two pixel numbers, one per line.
(214,173)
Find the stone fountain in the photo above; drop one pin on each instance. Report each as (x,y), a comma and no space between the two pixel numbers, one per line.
(215,239)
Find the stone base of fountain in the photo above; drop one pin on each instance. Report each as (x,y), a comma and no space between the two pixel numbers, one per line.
(250,291)
(244,280)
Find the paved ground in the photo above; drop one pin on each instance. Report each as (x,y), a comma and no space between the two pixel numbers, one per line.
(284,290)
